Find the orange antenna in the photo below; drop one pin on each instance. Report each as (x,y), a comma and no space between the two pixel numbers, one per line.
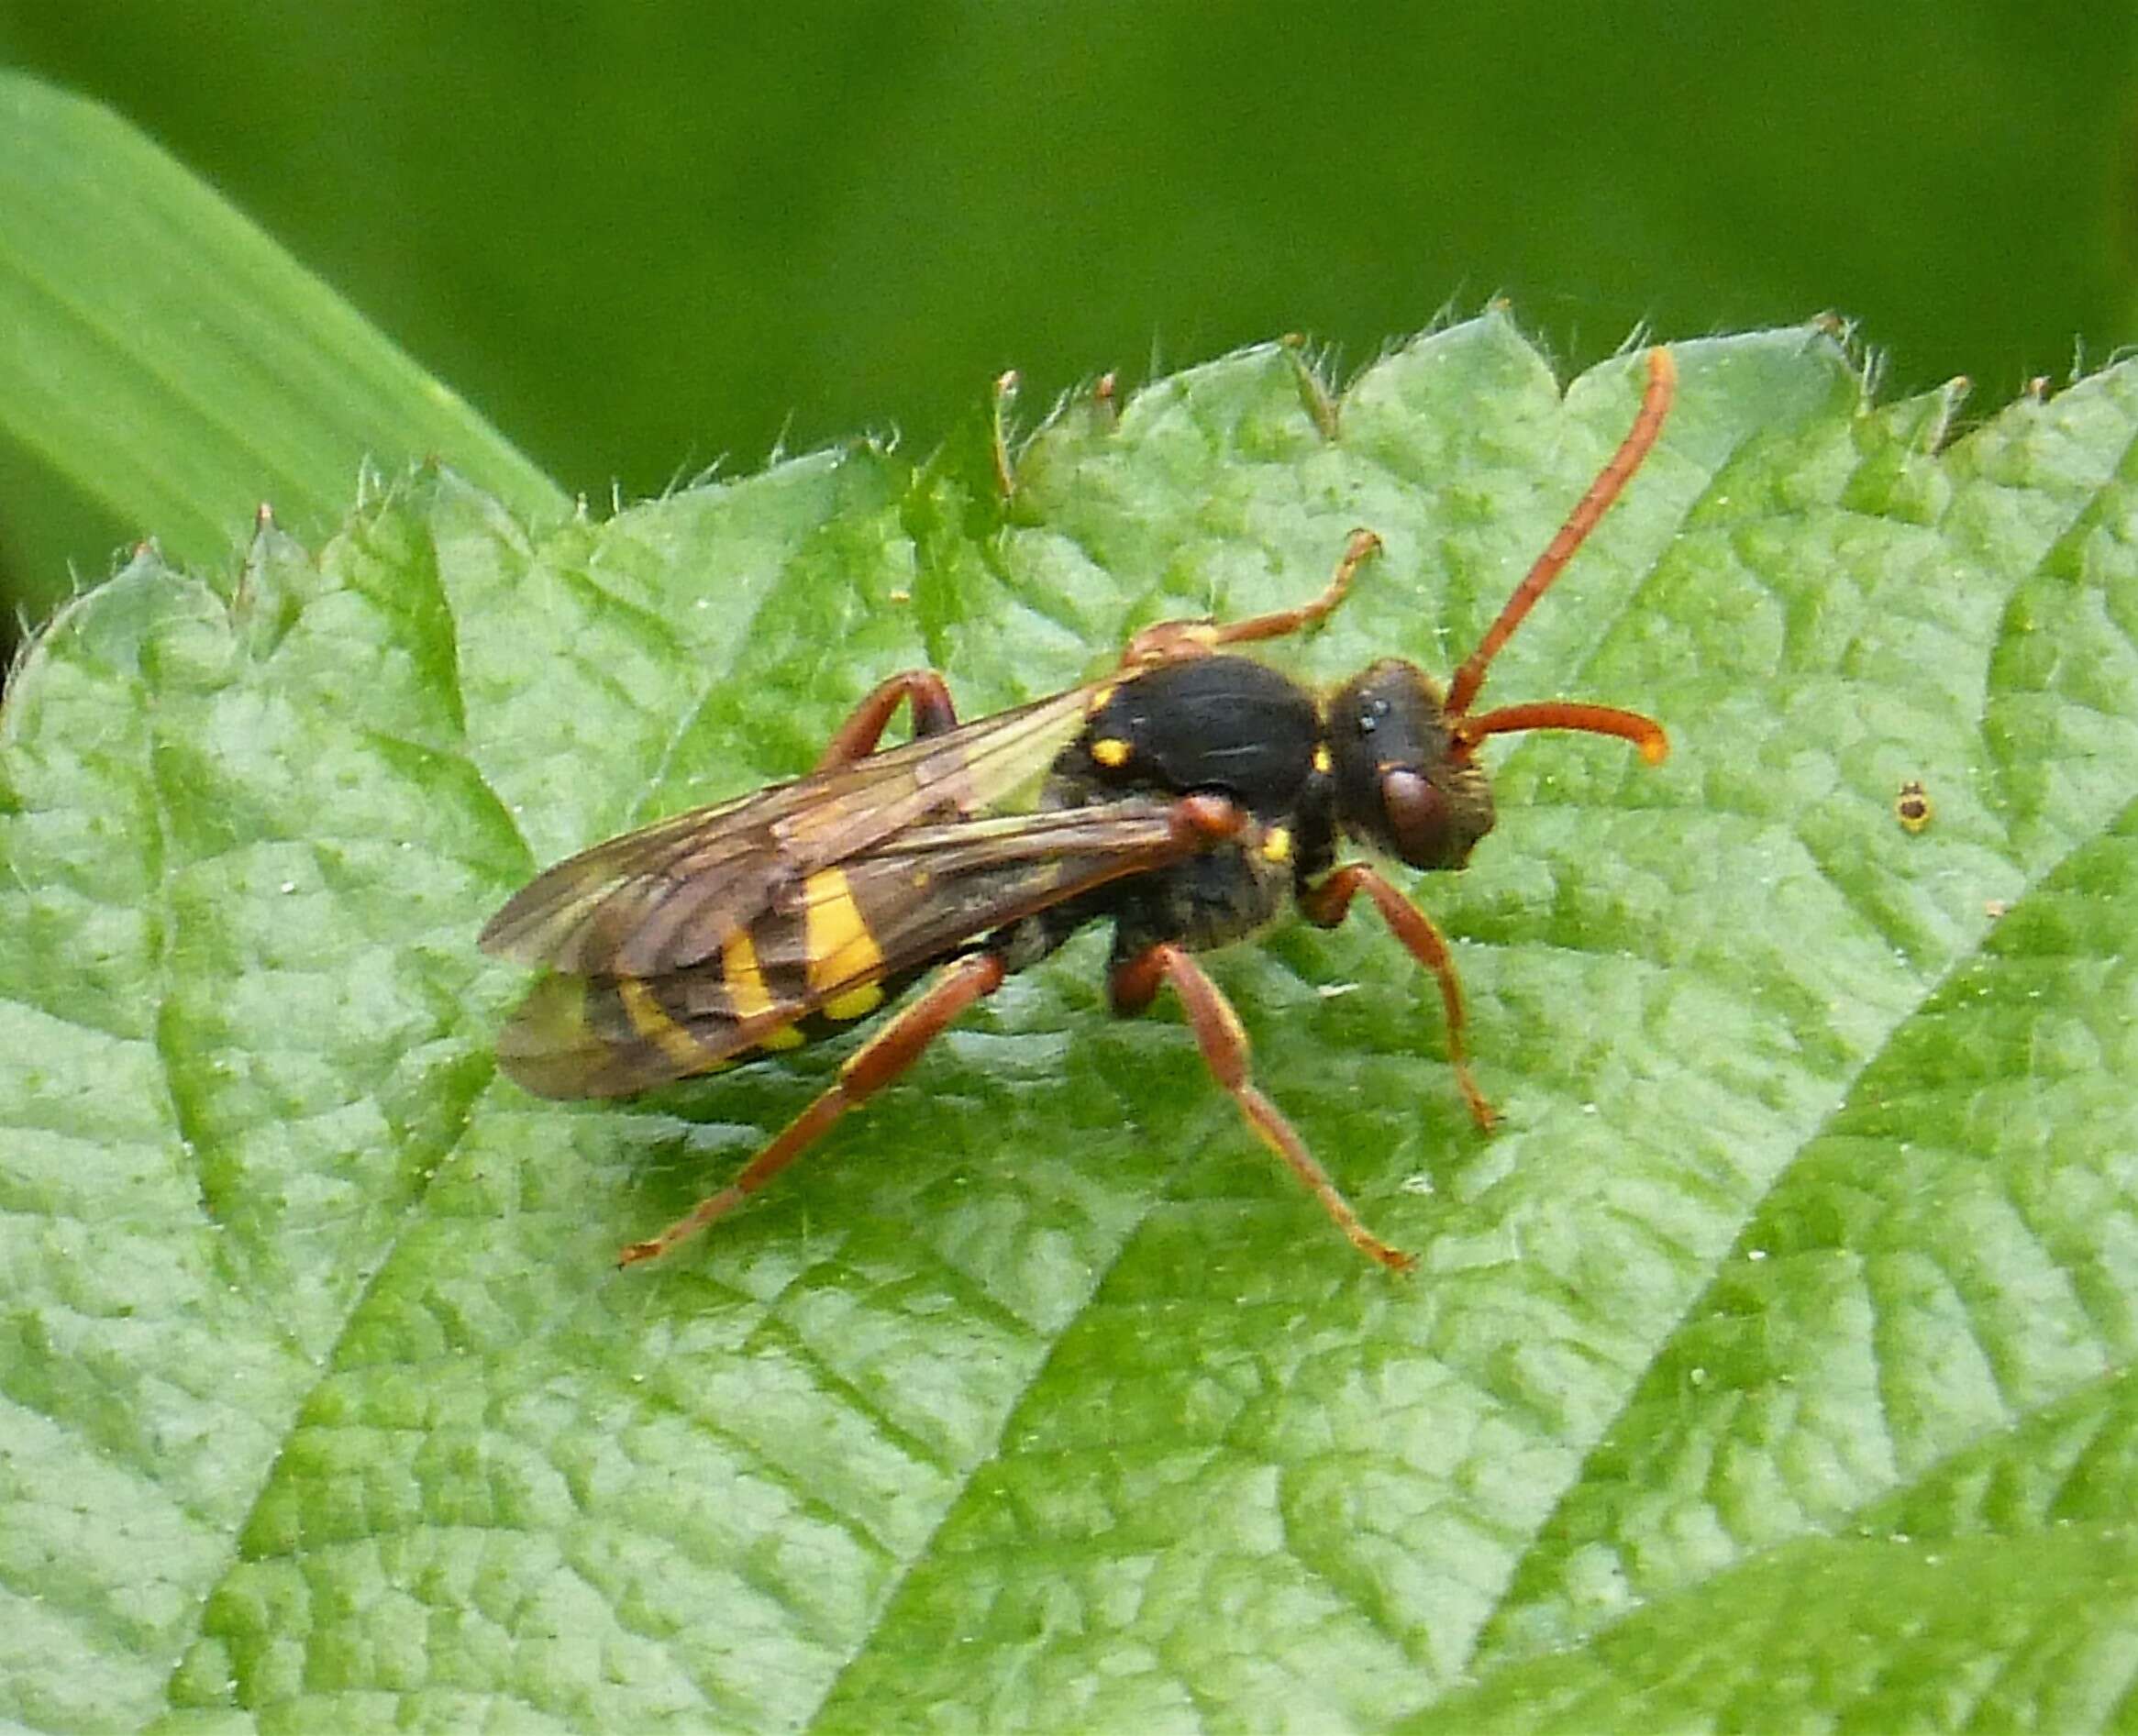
(1644,733)
(1654,405)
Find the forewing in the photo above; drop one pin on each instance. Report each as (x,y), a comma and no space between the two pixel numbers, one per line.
(670,895)
(931,889)
(831,948)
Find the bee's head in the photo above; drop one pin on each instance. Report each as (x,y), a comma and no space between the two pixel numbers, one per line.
(1404,754)
(1406,779)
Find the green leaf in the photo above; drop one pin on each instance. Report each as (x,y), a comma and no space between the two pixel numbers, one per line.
(168,360)
(1769,1366)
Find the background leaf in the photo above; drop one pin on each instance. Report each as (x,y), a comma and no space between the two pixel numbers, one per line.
(678,232)
(1770,1364)
(168,362)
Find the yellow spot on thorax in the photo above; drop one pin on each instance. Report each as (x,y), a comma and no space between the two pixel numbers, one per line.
(1277,845)
(1111,751)
(1323,763)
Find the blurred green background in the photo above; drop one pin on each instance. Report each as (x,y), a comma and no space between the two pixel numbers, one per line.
(643,238)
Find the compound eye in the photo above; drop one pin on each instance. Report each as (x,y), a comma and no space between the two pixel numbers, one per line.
(1415,810)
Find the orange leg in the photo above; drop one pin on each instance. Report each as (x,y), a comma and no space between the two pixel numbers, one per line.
(1169,640)
(1325,905)
(1224,1043)
(878,1061)
(856,737)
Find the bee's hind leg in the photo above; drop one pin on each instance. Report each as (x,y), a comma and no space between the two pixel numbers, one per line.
(1219,1035)
(872,1066)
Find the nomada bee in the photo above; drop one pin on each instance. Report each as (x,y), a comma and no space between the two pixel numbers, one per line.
(1186,797)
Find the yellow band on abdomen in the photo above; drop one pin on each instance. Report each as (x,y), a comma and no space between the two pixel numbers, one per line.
(652,1020)
(843,954)
(747,997)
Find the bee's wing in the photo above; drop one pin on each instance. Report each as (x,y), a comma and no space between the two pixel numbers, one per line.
(671,894)
(828,946)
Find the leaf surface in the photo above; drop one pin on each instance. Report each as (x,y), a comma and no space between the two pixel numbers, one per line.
(170,362)
(1770,1364)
